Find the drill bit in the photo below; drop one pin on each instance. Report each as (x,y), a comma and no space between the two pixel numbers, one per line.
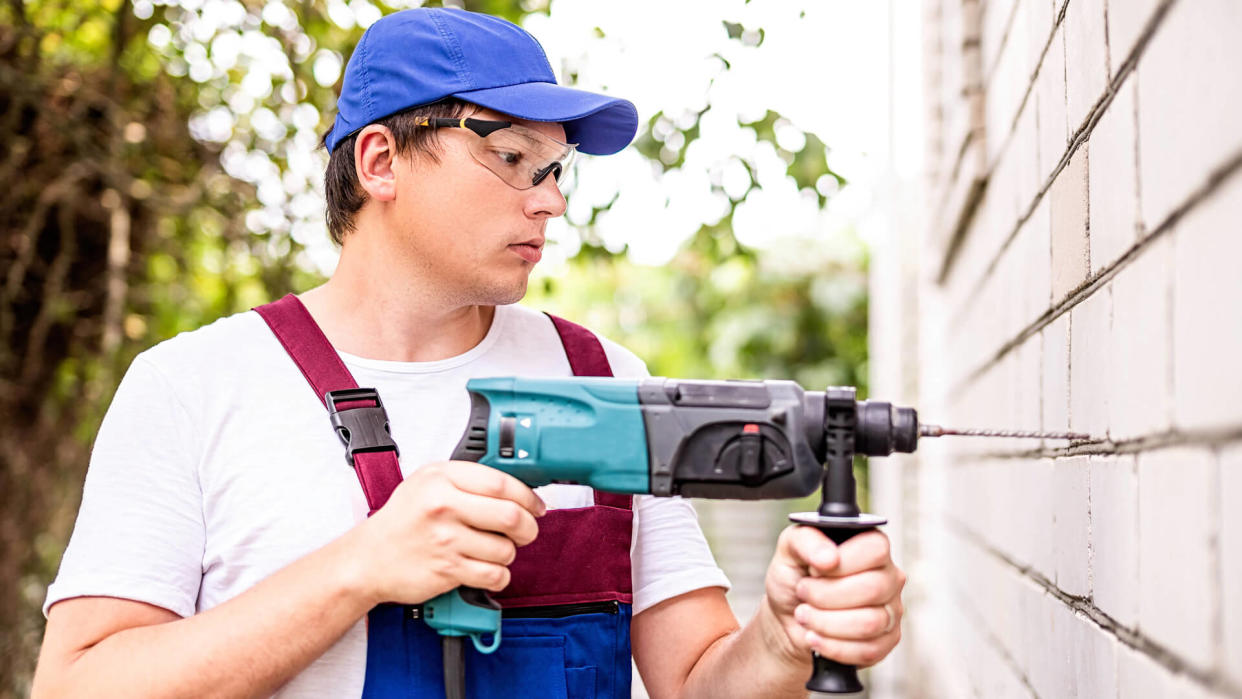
(938,431)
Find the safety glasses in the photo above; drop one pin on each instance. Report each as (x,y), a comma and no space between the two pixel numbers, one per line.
(520,156)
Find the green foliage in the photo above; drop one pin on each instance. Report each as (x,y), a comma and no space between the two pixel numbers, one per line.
(717,311)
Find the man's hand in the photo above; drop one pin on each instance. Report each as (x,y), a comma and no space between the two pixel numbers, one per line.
(843,602)
(449,524)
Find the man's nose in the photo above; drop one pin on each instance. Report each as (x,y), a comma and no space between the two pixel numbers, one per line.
(545,199)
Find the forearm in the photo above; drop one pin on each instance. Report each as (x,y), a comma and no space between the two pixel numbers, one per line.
(756,660)
(246,647)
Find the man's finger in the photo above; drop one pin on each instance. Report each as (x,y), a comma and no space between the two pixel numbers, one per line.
(808,547)
(487,547)
(866,589)
(493,483)
(501,516)
(857,624)
(865,551)
(483,575)
(860,653)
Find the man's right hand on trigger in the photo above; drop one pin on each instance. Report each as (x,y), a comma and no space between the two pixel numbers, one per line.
(449,524)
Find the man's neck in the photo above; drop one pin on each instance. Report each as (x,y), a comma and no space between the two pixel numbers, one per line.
(375,311)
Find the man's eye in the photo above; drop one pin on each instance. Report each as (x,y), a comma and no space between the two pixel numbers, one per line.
(509,157)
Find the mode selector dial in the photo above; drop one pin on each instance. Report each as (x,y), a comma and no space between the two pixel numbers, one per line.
(751,457)
(750,460)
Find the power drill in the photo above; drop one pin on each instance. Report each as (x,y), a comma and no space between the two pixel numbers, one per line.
(736,440)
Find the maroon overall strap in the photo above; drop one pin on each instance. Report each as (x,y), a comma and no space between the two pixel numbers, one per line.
(378,471)
(587,358)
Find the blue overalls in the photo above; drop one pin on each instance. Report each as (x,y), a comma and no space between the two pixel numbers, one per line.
(566,612)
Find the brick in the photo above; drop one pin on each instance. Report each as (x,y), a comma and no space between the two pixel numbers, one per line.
(1141,385)
(1025,152)
(1086,659)
(1026,397)
(1005,86)
(997,19)
(994,678)
(1207,337)
(1070,522)
(956,197)
(1042,655)
(1069,226)
(1230,496)
(1114,537)
(1050,100)
(1175,551)
(1114,181)
(1036,265)
(1037,14)
(1090,358)
(1125,22)
(1031,516)
(1008,589)
(1139,677)
(1190,102)
(1002,193)
(1055,375)
(1086,59)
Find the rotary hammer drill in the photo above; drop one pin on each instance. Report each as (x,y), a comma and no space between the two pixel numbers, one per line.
(736,440)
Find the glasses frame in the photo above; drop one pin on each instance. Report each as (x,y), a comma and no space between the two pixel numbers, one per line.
(486,127)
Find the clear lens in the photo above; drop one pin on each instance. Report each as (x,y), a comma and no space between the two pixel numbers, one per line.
(523,157)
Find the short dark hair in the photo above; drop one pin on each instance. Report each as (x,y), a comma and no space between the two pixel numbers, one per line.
(344,194)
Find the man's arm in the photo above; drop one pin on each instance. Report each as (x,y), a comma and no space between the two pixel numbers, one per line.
(445,526)
(246,647)
(818,596)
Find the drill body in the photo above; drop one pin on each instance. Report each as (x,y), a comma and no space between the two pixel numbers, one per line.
(744,440)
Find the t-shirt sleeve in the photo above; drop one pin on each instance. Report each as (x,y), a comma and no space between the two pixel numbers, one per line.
(139,533)
(670,555)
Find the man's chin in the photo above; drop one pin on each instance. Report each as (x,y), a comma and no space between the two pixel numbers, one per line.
(503,295)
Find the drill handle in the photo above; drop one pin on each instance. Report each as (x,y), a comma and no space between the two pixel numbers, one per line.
(829,676)
(465,611)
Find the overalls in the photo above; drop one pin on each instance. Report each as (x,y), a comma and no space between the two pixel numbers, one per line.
(566,612)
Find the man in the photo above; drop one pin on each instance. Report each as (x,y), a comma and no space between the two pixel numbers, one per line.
(222,547)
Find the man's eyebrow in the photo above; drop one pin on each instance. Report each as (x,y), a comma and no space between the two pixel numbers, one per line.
(519,132)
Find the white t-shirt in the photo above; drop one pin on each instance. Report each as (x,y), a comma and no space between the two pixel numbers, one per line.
(216,466)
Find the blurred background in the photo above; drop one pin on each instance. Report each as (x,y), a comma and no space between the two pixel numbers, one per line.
(161,169)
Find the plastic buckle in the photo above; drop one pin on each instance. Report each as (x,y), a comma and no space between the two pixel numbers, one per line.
(363,428)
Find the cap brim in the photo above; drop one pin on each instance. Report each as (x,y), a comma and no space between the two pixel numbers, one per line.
(599,125)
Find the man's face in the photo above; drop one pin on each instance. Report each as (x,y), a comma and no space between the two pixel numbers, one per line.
(461,225)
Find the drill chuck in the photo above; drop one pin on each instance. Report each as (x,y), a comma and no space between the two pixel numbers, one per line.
(884,428)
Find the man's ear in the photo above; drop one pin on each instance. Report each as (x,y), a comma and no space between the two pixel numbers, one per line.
(374,153)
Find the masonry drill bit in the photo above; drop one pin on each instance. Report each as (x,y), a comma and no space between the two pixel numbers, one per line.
(938,431)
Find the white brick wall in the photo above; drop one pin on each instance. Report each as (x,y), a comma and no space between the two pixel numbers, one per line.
(1114,181)
(1068,201)
(1230,494)
(1207,335)
(1140,380)
(1190,101)
(1050,97)
(1114,537)
(1176,581)
(1086,59)
(1070,514)
(1096,285)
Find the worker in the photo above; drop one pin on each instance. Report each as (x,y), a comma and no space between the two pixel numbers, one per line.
(223,546)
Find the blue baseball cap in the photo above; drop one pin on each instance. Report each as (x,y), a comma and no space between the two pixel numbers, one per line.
(419,56)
